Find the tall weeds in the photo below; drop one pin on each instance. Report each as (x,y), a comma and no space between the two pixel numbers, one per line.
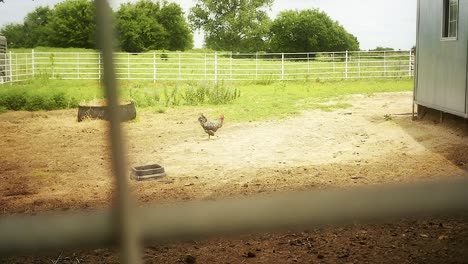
(215,94)
(44,94)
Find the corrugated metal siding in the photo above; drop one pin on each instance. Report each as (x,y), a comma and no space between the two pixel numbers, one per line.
(442,64)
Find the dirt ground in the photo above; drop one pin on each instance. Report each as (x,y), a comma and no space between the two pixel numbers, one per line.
(50,162)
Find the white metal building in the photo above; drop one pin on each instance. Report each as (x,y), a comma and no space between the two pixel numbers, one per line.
(442,56)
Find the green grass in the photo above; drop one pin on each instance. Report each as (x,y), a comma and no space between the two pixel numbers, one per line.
(240,101)
(283,99)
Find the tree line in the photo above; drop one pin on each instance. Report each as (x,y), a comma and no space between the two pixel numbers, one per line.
(228,25)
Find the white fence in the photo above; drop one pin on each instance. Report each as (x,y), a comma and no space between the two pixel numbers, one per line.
(210,66)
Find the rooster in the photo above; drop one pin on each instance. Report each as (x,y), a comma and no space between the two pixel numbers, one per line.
(211,127)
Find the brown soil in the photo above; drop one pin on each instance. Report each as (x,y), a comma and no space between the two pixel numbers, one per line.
(51,162)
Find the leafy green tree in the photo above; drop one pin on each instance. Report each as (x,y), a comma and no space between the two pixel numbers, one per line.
(172,19)
(309,31)
(15,35)
(148,25)
(31,33)
(138,29)
(35,27)
(234,25)
(72,24)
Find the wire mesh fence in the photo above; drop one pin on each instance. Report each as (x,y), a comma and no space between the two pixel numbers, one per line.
(211,66)
(199,219)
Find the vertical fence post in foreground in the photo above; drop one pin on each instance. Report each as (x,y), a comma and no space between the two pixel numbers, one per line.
(124,222)
(33,67)
(346,65)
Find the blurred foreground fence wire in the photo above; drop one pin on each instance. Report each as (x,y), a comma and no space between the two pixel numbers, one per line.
(125,226)
(194,220)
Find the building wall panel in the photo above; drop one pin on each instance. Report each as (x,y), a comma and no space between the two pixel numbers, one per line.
(442,64)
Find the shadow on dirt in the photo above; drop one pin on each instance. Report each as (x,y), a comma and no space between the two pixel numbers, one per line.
(441,133)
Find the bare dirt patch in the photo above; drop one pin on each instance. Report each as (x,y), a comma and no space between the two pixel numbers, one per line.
(51,162)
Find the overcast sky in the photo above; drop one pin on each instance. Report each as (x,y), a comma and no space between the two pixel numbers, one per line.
(389,23)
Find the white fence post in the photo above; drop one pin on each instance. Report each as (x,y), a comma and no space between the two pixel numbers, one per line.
(78,64)
(256,65)
(99,66)
(154,67)
(359,64)
(410,64)
(180,68)
(385,62)
(333,61)
(128,66)
(205,68)
(11,68)
(216,67)
(230,66)
(282,66)
(346,65)
(32,64)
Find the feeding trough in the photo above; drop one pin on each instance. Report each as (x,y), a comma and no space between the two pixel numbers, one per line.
(152,171)
(98,109)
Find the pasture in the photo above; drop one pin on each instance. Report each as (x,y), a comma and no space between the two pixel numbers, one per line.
(279,136)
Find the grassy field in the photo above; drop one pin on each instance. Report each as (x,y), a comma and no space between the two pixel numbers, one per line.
(239,100)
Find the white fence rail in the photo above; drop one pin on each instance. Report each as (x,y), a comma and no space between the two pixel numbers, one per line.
(209,66)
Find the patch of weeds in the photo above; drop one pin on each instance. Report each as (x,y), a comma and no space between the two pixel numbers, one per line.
(195,95)
(14,100)
(159,110)
(268,80)
(220,94)
(142,97)
(60,100)
(171,96)
(279,87)
(388,117)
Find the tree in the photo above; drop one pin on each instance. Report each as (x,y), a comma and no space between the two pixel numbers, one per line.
(148,26)
(234,25)
(309,31)
(172,19)
(15,35)
(72,24)
(36,28)
(31,33)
